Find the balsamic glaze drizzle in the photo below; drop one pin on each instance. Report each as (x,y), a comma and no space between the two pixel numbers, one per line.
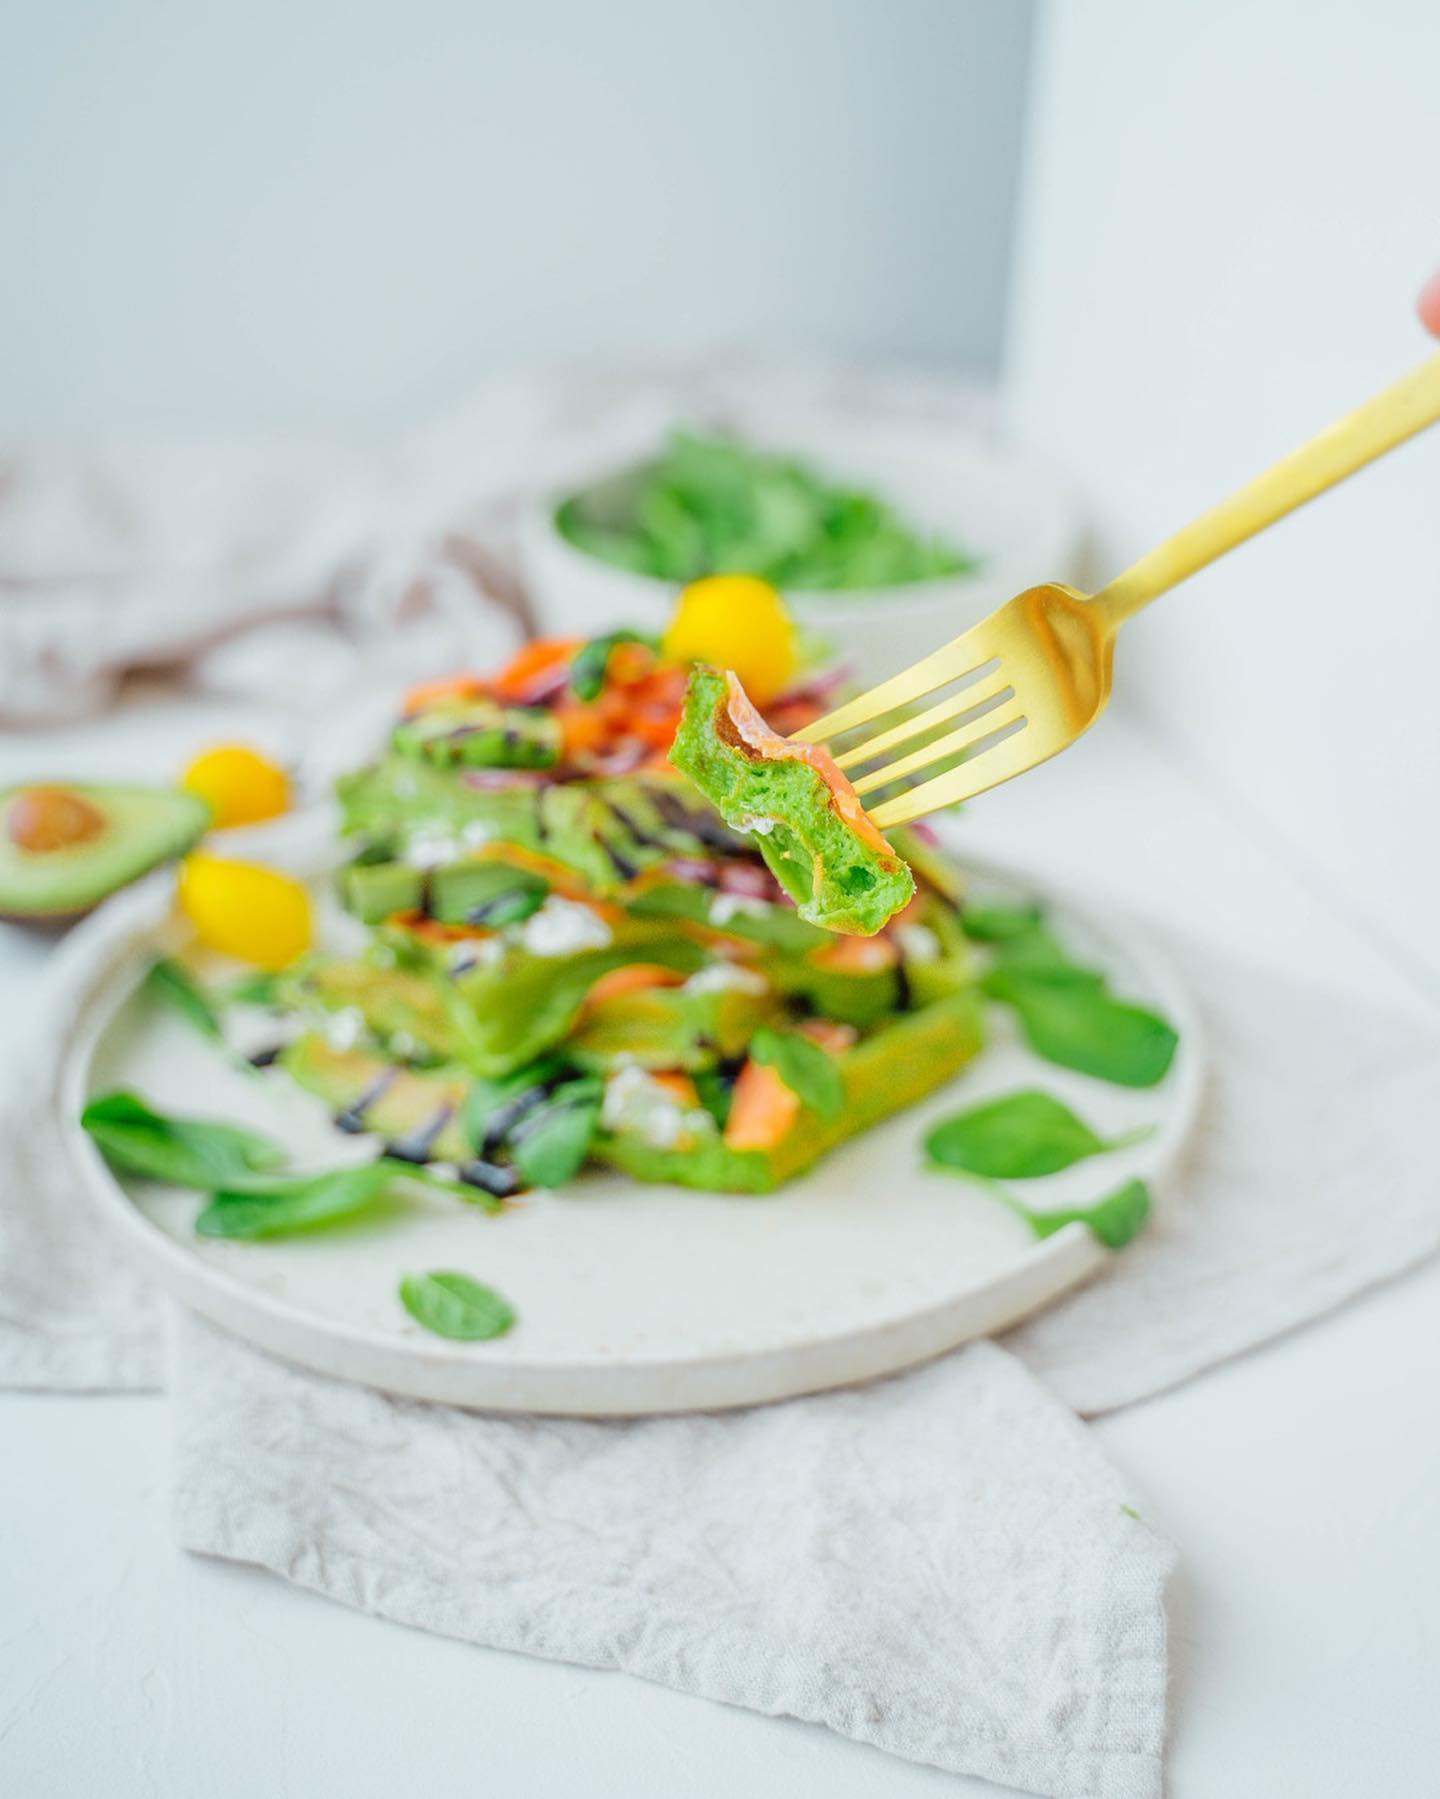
(417,1145)
(491,1177)
(351,1118)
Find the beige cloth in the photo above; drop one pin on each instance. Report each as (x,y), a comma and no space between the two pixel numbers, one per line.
(292,569)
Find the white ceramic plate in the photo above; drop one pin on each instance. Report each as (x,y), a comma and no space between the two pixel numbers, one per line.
(1002,507)
(630,1299)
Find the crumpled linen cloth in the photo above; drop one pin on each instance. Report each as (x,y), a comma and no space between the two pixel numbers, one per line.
(291,569)
(942,1565)
(939,1564)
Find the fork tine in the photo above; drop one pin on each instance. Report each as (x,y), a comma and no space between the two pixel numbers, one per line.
(1002,718)
(962,656)
(986,769)
(979,693)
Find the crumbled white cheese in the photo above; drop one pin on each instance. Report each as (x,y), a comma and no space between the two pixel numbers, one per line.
(431,846)
(918,943)
(758,827)
(721,977)
(476,833)
(344,1029)
(561,927)
(639,1106)
(726,906)
(475,952)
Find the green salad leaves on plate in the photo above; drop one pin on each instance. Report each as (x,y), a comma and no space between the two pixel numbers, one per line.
(712,505)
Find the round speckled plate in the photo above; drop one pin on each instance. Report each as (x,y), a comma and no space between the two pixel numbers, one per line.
(630,1299)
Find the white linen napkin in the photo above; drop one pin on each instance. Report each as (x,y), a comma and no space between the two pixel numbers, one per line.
(941,1564)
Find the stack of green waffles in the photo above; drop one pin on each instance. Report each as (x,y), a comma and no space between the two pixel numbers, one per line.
(568,956)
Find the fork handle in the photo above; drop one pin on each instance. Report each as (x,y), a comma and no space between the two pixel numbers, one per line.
(1379,425)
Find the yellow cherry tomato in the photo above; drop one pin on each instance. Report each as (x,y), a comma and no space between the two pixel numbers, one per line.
(254,914)
(737,622)
(241,786)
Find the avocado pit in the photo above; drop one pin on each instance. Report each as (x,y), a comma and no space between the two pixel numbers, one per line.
(43,819)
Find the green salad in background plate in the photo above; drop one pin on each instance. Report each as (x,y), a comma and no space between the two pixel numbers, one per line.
(712,504)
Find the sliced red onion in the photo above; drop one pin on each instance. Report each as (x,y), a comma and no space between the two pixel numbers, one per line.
(693,872)
(549,684)
(622,761)
(821,686)
(497,780)
(926,833)
(748,881)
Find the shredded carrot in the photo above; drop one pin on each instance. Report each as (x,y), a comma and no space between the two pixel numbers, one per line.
(635,977)
(762,1110)
(858,955)
(530,664)
(453,687)
(678,1085)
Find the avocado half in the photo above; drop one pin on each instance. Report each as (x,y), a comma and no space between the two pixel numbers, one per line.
(65,846)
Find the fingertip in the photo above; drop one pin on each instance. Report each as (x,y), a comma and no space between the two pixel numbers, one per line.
(1428,305)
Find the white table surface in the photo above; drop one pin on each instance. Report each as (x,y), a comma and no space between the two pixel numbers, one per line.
(1298,1482)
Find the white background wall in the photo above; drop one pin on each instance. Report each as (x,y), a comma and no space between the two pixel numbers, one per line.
(1229,208)
(216,215)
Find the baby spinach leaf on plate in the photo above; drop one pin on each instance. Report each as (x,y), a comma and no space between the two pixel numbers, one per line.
(174,986)
(189,1152)
(1042,957)
(1017,1137)
(493,1107)
(420,1174)
(455,1306)
(716,1093)
(811,1073)
(999,924)
(1083,1027)
(550,1144)
(260,987)
(279,1208)
(1116,1219)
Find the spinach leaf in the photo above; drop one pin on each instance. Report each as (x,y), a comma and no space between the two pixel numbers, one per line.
(811,1073)
(592,660)
(190,1152)
(712,504)
(1039,955)
(1017,1138)
(1115,1219)
(421,1174)
(550,1144)
(999,924)
(1081,1026)
(260,987)
(174,986)
(452,1305)
(494,1107)
(716,1094)
(281,1207)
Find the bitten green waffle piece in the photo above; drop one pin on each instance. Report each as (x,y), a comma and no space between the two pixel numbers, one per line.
(805,816)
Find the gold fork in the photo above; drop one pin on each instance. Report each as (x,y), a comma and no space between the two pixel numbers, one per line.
(1027,681)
